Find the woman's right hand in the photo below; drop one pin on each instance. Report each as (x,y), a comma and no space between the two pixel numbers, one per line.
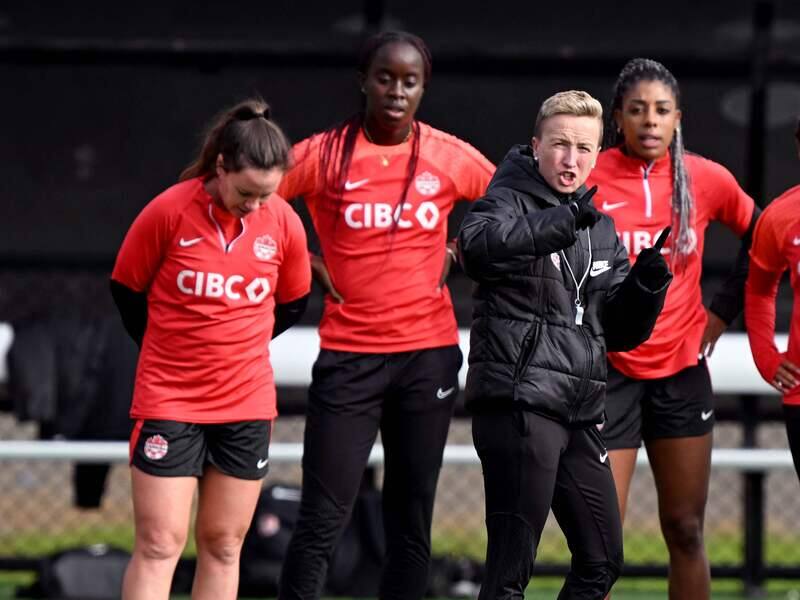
(321,276)
(787,376)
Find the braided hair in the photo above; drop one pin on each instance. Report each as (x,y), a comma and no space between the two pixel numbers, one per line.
(338,142)
(644,69)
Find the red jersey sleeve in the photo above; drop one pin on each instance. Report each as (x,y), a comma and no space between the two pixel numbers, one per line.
(733,207)
(294,275)
(759,316)
(144,245)
(767,248)
(303,178)
(472,172)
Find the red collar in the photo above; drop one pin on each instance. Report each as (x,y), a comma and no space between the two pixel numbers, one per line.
(619,160)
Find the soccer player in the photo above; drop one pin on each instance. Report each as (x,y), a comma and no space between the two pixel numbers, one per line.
(661,392)
(554,291)
(776,248)
(210,270)
(379,187)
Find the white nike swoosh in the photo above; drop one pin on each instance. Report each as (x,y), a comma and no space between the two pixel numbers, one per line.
(706,415)
(186,243)
(262,463)
(441,395)
(796,241)
(354,185)
(613,205)
(600,271)
(603,457)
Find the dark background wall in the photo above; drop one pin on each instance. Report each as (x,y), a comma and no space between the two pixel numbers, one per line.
(102,104)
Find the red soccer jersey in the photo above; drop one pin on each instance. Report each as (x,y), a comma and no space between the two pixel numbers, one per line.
(385,260)
(210,303)
(638,196)
(776,248)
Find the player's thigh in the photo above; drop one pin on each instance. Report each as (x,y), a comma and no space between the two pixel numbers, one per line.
(225,506)
(162,509)
(681,469)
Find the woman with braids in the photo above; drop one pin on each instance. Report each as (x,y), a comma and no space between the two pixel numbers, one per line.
(210,270)
(379,187)
(776,249)
(661,392)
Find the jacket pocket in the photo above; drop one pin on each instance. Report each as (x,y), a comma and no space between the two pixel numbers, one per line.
(529,343)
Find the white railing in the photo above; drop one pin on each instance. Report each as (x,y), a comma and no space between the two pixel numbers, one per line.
(293,354)
(740,459)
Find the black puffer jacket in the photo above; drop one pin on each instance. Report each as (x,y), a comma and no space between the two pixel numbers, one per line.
(526,350)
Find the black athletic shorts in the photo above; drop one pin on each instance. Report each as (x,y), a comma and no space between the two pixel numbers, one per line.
(174,449)
(681,405)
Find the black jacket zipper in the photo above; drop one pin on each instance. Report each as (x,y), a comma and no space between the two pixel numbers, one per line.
(528,347)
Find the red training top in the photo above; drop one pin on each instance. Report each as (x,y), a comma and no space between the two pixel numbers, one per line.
(212,281)
(776,248)
(638,196)
(386,260)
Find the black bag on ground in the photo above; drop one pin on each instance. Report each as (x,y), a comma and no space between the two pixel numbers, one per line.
(88,573)
(355,567)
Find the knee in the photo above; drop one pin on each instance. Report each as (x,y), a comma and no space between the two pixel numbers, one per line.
(683,533)
(594,577)
(159,544)
(220,546)
(614,568)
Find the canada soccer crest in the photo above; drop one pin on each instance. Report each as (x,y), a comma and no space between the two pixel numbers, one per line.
(427,183)
(556,260)
(155,447)
(264,247)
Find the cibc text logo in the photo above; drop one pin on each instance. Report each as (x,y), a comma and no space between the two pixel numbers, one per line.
(382,215)
(215,285)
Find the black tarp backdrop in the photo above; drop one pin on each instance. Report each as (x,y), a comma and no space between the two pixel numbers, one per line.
(102,104)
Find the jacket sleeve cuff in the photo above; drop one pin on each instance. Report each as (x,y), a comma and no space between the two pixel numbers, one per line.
(655,290)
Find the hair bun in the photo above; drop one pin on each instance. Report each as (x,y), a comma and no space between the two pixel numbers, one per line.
(248,113)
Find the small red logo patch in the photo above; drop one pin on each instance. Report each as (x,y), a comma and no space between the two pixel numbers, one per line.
(155,447)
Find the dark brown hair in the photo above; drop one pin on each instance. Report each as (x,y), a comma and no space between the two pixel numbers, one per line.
(245,136)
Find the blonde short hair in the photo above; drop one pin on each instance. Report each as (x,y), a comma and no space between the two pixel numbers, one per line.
(572,102)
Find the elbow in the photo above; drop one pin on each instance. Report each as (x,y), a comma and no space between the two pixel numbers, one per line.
(472,256)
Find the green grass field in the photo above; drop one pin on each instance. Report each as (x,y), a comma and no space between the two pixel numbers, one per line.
(722,549)
(547,589)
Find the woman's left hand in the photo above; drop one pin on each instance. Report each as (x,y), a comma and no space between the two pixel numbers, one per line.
(449,259)
(715,327)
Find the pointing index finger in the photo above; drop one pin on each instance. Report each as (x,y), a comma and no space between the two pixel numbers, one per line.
(662,238)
